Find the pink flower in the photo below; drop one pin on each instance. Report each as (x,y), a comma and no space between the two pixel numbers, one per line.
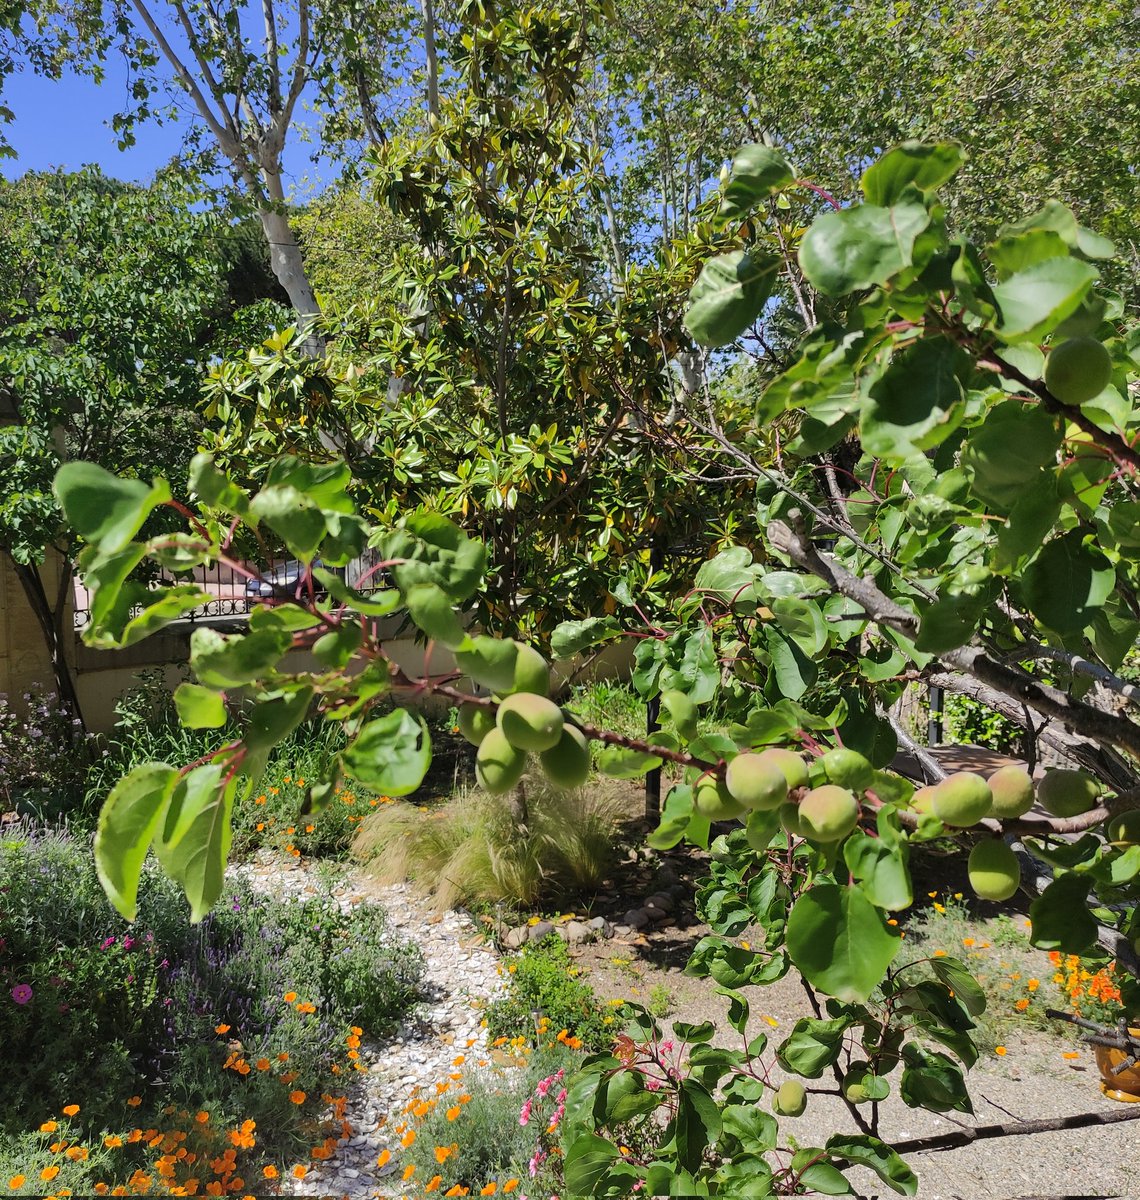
(128,942)
(106,943)
(22,993)
(524,1115)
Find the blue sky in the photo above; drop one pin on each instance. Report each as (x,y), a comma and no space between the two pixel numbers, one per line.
(65,123)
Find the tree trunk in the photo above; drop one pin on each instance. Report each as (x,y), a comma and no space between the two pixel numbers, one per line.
(288,266)
(427,7)
(49,622)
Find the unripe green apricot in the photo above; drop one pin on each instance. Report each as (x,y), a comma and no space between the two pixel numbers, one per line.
(532,674)
(1078,370)
(567,763)
(1068,793)
(993,870)
(498,764)
(1124,827)
(1012,791)
(715,802)
(475,722)
(962,799)
(790,1099)
(790,819)
(847,768)
(923,800)
(791,764)
(828,813)
(755,783)
(530,722)
(854,1083)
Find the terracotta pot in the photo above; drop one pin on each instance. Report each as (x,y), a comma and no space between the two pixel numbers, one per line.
(1126,1085)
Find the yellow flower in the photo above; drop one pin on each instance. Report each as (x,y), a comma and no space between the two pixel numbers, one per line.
(49,1127)
(452,1113)
(270,1172)
(300,1171)
(385,1157)
(297,1097)
(112,1141)
(409,1171)
(17,1181)
(490,1189)
(1071,1054)
(135,1101)
(939,953)
(223,1028)
(202,1117)
(433,1183)
(1000,1051)
(70,1110)
(49,1173)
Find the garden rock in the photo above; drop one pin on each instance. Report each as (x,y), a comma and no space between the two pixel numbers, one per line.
(540,930)
(516,938)
(636,918)
(578,932)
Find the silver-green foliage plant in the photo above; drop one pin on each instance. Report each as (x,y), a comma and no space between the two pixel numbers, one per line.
(988,530)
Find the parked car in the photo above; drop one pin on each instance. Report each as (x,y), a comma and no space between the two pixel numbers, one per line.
(285,581)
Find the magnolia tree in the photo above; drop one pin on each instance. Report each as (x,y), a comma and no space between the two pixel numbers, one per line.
(985,540)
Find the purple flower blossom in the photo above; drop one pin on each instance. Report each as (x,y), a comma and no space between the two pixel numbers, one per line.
(22,993)
(107,943)
(128,942)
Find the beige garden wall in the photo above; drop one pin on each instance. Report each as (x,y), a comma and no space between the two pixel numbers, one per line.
(104,675)
(25,663)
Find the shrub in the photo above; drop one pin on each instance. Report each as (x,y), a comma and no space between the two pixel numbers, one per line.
(45,755)
(471,851)
(545,992)
(262,1002)
(490,1127)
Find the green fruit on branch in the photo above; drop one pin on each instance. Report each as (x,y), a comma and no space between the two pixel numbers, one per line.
(475,722)
(715,802)
(1067,793)
(531,674)
(1012,791)
(855,1083)
(993,870)
(923,800)
(1124,828)
(755,783)
(1078,370)
(530,722)
(790,820)
(567,763)
(504,667)
(498,764)
(828,813)
(962,799)
(791,764)
(848,769)
(790,1099)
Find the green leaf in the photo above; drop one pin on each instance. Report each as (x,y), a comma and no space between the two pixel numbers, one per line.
(730,575)
(336,648)
(214,489)
(696,1126)
(729,294)
(1068,583)
(918,401)
(224,662)
(432,612)
(161,606)
(956,976)
(276,717)
(390,755)
(694,1033)
(619,763)
(758,172)
(803,622)
(881,870)
(840,941)
(924,165)
(820,1177)
(1031,520)
(325,484)
(1060,916)
(1035,301)
(793,670)
(436,551)
(861,1149)
(102,508)
(860,247)
(127,825)
(675,818)
(931,1080)
(194,841)
(586,1161)
(294,517)
(572,637)
(812,1046)
(375,604)
(199,707)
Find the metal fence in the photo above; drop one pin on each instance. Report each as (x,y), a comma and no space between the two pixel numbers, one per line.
(234,593)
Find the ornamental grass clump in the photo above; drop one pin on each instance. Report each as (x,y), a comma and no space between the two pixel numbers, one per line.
(472,851)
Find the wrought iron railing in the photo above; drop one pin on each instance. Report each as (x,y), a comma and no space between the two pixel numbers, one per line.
(234,594)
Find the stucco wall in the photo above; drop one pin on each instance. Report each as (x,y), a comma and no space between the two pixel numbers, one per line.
(25,663)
